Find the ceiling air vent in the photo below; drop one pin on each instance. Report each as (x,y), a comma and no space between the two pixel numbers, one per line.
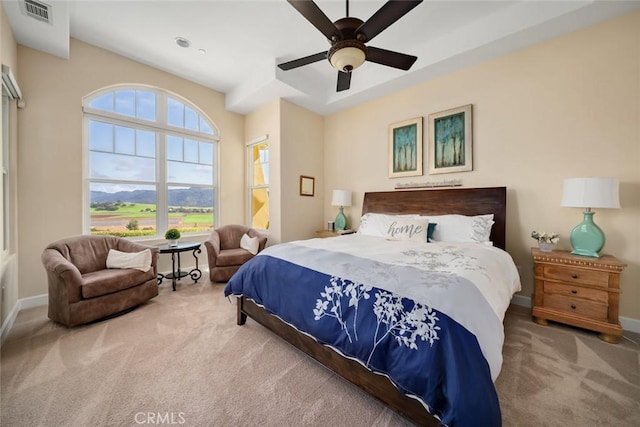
(36,9)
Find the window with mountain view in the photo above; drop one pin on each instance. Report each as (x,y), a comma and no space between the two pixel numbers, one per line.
(151,161)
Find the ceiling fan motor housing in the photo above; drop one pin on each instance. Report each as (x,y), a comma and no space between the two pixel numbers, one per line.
(350,52)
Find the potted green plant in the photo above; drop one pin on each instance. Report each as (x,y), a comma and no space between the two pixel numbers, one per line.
(172,235)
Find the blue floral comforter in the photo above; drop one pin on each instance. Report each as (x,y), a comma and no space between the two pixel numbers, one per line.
(426,315)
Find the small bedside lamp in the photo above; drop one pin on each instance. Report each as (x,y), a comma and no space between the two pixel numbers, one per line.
(587,238)
(341,198)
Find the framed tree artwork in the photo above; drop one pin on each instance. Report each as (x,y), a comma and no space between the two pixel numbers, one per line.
(450,141)
(405,148)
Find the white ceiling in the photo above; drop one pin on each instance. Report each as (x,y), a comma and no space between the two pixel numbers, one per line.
(244,40)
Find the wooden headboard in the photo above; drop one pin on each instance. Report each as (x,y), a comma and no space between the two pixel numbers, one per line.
(463,201)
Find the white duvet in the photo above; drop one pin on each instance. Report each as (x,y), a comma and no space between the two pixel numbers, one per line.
(458,279)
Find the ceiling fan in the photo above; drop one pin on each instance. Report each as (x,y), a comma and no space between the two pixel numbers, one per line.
(348,36)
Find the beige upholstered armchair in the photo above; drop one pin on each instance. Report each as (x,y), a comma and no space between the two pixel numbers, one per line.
(81,287)
(224,251)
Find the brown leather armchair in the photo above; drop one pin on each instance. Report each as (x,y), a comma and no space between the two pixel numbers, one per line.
(224,253)
(81,287)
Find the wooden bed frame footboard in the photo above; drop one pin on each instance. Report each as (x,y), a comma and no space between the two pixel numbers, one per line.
(376,385)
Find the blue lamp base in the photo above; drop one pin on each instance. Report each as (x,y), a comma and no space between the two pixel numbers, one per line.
(587,239)
(341,220)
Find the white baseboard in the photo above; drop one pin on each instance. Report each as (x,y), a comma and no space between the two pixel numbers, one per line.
(8,323)
(21,304)
(521,300)
(628,323)
(37,301)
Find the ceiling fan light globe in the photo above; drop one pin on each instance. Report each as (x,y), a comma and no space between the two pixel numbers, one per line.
(347,58)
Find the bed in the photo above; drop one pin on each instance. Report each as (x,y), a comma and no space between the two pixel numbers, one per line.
(417,325)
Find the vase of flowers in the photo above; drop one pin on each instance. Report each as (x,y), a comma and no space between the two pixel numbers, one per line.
(546,241)
(172,235)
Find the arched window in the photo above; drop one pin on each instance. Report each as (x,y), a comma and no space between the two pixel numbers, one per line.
(151,163)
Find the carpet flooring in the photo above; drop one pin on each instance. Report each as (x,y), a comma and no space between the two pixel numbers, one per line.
(180,359)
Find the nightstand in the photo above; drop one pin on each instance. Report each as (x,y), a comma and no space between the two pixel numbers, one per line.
(577,290)
(333,233)
(326,233)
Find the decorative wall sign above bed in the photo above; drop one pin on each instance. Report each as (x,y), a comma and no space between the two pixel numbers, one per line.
(431,184)
(405,148)
(450,141)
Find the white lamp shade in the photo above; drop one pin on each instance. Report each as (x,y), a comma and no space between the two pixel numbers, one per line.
(347,57)
(341,198)
(591,193)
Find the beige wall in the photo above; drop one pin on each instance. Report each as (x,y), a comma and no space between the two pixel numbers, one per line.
(8,259)
(295,148)
(50,153)
(301,154)
(566,108)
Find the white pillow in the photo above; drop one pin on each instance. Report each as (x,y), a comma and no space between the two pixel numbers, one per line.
(376,224)
(456,228)
(137,260)
(414,229)
(250,244)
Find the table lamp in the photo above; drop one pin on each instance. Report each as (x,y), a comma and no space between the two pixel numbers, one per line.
(587,238)
(341,198)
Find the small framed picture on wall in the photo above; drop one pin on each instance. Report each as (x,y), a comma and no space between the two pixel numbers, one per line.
(307,185)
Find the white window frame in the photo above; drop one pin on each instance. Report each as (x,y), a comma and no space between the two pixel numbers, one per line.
(161,128)
(6,177)
(10,91)
(250,186)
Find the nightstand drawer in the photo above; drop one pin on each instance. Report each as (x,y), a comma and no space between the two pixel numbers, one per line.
(575,275)
(570,290)
(590,309)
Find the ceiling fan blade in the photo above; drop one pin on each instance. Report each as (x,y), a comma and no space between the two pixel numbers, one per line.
(344,81)
(318,19)
(303,61)
(390,58)
(389,13)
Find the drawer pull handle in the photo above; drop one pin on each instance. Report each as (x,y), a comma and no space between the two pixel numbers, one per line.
(573,306)
(573,291)
(574,276)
